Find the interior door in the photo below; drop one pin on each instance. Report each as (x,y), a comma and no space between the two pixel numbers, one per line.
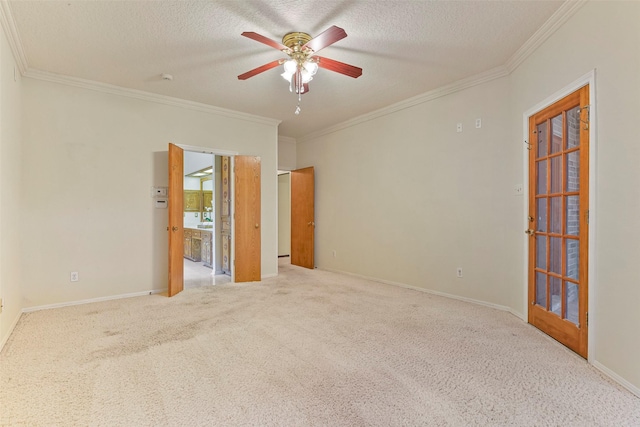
(302,217)
(247,220)
(558,215)
(176,221)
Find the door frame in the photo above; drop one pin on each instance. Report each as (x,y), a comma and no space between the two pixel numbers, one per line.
(587,79)
(231,154)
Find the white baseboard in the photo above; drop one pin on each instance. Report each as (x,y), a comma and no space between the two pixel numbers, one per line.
(615,377)
(430,291)
(11,328)
(91,300)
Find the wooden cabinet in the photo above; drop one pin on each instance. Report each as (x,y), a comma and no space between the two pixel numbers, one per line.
(187,243)
(193,244)
(192,201)
(207,252)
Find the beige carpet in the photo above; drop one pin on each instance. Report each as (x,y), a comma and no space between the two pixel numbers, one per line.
(306,348)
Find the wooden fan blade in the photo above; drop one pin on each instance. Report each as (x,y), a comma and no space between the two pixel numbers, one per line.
(339,67)
(326,38)
(259,70)
(262,39)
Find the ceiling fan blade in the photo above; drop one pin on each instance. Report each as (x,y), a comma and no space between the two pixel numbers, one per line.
(326,38)
(259,70)
(262,39)
(339,67)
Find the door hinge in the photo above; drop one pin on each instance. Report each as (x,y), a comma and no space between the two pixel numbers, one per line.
(587,216)
(587,318)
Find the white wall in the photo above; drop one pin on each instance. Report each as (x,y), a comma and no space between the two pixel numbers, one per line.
(406,199)
(11,225)
(604,36)
(90,159)
(286,153)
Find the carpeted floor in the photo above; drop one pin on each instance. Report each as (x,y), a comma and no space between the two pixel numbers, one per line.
(308,348)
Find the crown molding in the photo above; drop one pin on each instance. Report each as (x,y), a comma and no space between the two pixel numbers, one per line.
(147,96)
(559,17)
(286,139)
(13,37)
(478,79)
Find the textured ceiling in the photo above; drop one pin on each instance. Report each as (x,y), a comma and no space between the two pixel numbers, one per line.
(406,48)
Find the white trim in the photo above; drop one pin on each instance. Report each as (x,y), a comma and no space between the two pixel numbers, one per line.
(475,80)
(287,139)
(146,96)
(10,331)
(428,291)
(617,378)
(92,300)
(587,79)
(207,150)
(13,37)
(558,19)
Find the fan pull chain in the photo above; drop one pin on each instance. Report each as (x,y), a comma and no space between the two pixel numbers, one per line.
(299,101)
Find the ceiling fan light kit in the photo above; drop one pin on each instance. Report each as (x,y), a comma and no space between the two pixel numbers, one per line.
(302,64)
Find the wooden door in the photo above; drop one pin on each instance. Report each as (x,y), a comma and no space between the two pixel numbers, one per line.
(302,217)
(176,220)
(225,213)
(558,215)
(247,220)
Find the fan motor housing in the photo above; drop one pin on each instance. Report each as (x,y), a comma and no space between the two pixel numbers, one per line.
(295,40)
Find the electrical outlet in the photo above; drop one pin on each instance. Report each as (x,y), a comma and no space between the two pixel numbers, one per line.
(74,276)
(518,190)
(459,272)
(334,253)
(478,123)
(459,127)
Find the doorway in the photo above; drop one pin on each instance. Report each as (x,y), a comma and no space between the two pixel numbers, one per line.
(204,236)
(244,181)
(558,218)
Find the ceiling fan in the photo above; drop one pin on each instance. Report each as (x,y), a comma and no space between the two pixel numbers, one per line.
(303,62)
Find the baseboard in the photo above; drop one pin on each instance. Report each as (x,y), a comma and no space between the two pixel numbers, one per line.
(91,300)
(267,276)
(11,328)
(615,377)
(429,291)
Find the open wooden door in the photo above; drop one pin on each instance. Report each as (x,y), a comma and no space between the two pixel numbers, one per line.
(302,217)
(176,220)
(558,216)
(247,220)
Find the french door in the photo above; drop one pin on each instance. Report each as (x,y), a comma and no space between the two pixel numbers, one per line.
(558,219)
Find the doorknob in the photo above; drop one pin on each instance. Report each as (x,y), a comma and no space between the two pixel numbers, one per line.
(257,226)
(174,228)
(311,223)
(530,232)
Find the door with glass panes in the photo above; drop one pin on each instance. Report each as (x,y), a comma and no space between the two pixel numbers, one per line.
(558,220)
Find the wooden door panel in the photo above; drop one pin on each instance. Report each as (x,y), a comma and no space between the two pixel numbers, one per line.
(558,212)
(302,217)
(176,221)
(247,228)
